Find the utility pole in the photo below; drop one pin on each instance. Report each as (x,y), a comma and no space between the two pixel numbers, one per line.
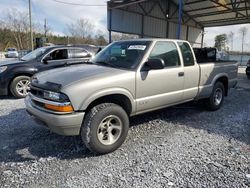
(31,32)
(243,31)
(45,27)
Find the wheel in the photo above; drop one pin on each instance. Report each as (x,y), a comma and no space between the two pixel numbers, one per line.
(105,128)
(215,101)
(20,86)
(248,76)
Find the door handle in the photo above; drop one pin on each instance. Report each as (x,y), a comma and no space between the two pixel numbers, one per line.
(180,74)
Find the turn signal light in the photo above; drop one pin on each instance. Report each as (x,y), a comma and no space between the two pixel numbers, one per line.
(67,108)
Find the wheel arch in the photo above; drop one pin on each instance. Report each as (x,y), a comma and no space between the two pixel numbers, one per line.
(224,80)
(122,99)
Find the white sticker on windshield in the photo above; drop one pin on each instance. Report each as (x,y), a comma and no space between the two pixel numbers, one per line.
(137,47)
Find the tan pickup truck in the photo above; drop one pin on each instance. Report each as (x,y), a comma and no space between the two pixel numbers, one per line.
(96,99)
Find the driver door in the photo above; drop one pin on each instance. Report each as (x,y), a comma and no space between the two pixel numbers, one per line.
(156,89)
(56,58)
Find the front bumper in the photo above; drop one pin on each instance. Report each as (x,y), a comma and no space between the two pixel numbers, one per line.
(3,91)
(3,85)
(63,124)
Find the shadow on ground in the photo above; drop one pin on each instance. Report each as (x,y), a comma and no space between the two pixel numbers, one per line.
(23,140)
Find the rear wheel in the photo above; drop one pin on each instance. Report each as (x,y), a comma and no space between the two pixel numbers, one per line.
(20,86)
(215,101)
(105,128)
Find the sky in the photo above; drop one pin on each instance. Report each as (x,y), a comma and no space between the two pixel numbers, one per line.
(58,15)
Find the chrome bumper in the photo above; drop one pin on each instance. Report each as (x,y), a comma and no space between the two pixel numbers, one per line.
(63,124)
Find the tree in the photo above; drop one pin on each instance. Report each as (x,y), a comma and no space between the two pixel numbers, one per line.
(220,42)
(100,40)
(82,28)
(17,23)
(122,36)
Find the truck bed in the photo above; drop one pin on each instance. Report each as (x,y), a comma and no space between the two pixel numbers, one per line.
(210,71)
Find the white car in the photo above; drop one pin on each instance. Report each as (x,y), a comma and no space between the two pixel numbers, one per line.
(12,53)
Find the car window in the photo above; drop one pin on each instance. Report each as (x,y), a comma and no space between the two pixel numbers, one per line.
(78,53)
(59,54)
(167,51)
(187,54)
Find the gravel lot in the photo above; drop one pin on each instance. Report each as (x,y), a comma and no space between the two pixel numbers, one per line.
(183,146)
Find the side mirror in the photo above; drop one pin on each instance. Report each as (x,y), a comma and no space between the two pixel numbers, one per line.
(155,64)
(46,59)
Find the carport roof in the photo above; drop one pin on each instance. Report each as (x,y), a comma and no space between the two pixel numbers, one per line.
(208,13)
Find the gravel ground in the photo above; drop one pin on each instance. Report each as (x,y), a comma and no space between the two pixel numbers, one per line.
(183,146)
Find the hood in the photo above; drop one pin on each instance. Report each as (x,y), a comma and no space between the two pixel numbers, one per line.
(10,62)
(68,75)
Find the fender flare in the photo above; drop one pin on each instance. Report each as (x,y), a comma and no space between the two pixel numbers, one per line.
(105,92)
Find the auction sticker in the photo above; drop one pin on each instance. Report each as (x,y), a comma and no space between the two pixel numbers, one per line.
(137,47)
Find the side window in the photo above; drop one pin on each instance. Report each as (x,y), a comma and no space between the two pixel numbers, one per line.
(58,54)
(166,51)
(187,54)
(78,53)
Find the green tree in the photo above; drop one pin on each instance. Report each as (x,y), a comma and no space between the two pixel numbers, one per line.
(220,41)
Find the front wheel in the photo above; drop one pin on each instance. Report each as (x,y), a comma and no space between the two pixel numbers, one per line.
(105,128)
(215,101)
(20,86)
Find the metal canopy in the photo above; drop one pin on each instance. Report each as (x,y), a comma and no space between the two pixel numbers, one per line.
(181,19)
(205,13)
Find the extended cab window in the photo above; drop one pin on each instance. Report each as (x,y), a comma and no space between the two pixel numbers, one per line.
(58,54)
(187,54)
(166,51)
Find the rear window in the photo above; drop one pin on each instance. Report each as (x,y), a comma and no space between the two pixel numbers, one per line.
(79,53)
(11,49)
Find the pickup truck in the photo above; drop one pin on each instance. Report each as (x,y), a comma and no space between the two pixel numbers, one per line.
(96,99)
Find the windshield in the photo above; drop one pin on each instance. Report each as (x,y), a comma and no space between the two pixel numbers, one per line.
(11,49)
(34,54)
(123,54)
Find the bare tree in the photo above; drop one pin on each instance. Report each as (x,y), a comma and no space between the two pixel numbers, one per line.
(18,24)
(243,32)
(82,28)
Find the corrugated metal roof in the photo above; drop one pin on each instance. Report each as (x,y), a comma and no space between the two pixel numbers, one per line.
(206,13)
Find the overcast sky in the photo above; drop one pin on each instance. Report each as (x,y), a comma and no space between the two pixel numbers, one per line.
(59,15)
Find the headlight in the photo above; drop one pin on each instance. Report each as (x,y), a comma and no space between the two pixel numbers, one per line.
(3,68)
(54,96)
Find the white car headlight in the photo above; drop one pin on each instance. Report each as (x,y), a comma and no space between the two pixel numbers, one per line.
(3,68)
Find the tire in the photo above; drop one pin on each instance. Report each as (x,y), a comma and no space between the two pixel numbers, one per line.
(248,76)
(94,132)
(215,101)
(19,86)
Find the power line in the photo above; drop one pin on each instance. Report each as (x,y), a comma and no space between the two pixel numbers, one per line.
(78,4)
